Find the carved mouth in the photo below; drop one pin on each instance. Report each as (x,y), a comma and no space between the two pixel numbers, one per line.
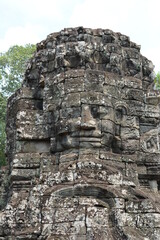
(87,135)
(90,139)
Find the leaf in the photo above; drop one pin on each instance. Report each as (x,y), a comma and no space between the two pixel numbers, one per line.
(12,67)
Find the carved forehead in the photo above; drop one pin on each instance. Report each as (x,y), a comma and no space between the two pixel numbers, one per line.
(78,87)
(75,87)
(78,80)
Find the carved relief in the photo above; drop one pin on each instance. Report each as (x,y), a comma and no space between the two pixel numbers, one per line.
(150,141)
(83,142)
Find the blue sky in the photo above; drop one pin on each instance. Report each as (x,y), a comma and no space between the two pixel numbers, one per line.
(30,21)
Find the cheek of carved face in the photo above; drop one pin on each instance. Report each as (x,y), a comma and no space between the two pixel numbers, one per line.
(87,126)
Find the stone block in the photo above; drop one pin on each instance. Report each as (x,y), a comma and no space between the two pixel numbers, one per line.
(31,131)
(27,160)
(24,174)
(146,220)
(74,85)
(30,117)
(130,145)
(32,146)
(89,97)
(129,133)
(71,100)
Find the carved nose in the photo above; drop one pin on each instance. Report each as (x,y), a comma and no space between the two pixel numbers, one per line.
(87,120)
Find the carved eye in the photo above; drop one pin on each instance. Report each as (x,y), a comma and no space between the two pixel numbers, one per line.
(95,111)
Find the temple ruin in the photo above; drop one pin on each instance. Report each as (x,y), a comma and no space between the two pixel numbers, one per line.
(83,144)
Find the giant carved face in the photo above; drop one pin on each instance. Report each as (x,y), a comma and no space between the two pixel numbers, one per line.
(83,114)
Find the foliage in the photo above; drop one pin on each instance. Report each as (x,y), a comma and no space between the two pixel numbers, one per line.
(12,68)
(157,81)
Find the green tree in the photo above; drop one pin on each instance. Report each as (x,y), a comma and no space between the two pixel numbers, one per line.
(157,81)
(12,68)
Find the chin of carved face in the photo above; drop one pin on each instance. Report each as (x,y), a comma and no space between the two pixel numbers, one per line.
(90,126)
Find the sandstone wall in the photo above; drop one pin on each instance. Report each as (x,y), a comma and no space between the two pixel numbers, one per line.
(83,142)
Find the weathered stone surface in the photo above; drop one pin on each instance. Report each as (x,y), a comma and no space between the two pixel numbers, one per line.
(83,143)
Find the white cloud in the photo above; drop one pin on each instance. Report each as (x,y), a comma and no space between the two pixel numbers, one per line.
(30,21)
(19,36)
(102,13)
(116,14)
(139,19)
(40,10)
(153,54)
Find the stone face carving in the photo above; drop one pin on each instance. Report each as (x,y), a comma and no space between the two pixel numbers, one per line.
(86,118)
(83,142)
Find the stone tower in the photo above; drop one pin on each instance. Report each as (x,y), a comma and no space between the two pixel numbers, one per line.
(83,142)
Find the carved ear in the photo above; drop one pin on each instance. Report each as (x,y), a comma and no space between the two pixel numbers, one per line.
(121,110)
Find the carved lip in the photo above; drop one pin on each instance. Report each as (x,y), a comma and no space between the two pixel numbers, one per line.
(90,139)
(87,134)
